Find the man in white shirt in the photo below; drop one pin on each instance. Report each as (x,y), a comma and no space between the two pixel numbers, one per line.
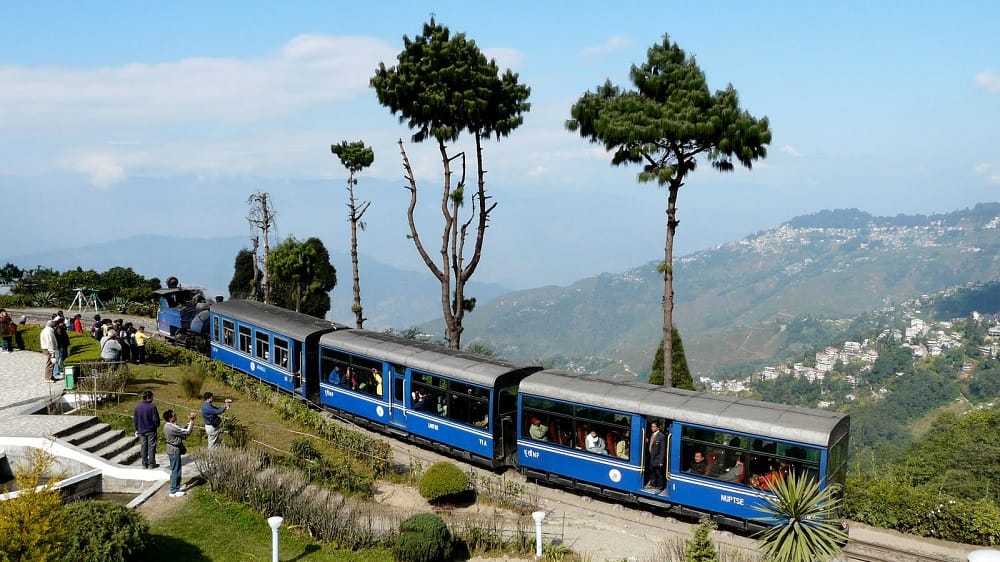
(47,339)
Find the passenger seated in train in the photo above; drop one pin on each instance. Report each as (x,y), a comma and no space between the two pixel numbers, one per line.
(622,446)
(419,400)
(735,473)
(538,430)
(442,406)
(334,377)
(595,444)
(698,465)
(767,480)
(718,463)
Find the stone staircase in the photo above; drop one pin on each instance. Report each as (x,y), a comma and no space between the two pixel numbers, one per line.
(114,445)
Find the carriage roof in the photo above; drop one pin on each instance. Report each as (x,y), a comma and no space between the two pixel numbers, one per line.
(428,357)
(296,325)
(791,423)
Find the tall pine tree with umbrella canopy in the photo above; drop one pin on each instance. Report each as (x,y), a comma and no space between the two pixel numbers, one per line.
(666,124)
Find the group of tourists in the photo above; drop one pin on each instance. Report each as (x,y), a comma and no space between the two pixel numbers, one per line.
(9,332)
(146,420)
(54,341)
(120,341)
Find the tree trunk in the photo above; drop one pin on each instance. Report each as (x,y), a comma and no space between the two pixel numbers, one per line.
(668,284)
(359,318)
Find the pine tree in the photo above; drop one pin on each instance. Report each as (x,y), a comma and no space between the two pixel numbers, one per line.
(682,376)
(700,547)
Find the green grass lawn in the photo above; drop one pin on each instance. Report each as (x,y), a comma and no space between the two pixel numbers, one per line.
(206,527)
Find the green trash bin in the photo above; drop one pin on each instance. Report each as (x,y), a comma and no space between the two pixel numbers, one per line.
(69,371)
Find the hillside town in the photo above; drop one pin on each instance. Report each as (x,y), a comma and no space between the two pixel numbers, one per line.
(923,337)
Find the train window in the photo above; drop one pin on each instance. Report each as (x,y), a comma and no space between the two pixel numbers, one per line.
(263,344)
(281,352)
(336,368)
(592,429)
(454,400)
(837,462)
(216,332)
(228,328)
(743,460)
(798,452)
(245,339)
(703,435)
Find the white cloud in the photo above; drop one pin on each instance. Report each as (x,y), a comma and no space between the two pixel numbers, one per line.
(988,80)
(614,43)
(789,149)
(104,169)
(310,71)
(989,171)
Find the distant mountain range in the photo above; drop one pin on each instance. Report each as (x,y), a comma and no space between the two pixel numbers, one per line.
(733,302)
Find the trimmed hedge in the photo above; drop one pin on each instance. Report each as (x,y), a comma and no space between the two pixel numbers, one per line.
(443,480)
(105,531)
(423,537)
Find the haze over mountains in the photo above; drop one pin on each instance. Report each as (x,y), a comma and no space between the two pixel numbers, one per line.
(732,301)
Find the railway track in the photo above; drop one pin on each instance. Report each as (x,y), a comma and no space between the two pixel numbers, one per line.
(645,529)
(870,552)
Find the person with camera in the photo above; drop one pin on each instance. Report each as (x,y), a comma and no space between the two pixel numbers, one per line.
(212,416)
(175,436)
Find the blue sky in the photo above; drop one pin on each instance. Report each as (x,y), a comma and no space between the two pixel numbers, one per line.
(119,118)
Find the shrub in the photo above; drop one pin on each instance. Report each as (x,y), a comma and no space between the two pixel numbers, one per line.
(33,525)
(251,478)
(891,503)
(443,480)
(700,547)
(423,538)
(105,532)
(303,449)
(192,380)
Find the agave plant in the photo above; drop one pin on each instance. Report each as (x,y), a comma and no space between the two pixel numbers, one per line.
(803,521)
(44,299)
(120,304)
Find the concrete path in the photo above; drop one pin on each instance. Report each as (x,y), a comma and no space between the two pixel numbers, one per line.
(24,392)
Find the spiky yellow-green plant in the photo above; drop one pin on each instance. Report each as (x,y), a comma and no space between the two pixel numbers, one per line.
(803,518)
(33,525)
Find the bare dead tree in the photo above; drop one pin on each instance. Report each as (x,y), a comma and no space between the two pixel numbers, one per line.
(262,217)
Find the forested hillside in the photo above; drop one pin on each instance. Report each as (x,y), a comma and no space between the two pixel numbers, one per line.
(737,303)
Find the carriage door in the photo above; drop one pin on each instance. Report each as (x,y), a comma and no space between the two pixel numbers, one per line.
(397,394)
(655,478)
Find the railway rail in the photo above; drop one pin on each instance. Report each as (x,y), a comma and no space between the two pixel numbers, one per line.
(870,552)
(646,529)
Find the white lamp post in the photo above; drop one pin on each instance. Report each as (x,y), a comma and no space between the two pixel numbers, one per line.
(274,522)
(538,516)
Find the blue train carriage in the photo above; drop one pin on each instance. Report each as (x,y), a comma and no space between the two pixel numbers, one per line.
(273,344)
(460,403)
(721,452)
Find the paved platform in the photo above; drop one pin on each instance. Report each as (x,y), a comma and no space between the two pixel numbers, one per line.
(24,392)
